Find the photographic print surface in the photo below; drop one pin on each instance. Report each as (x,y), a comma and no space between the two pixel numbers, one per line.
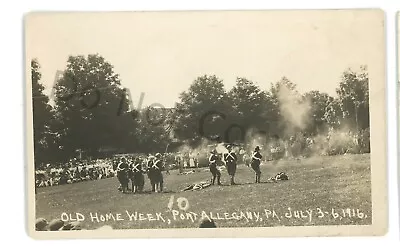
(246,123)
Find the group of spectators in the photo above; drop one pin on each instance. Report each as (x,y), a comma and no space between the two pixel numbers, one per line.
(298,145)
(73,172)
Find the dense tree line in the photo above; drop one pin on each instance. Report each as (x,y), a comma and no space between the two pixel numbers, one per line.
(91,112)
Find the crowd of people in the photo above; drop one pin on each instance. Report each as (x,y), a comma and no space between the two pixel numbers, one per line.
(73,172)
(131,169)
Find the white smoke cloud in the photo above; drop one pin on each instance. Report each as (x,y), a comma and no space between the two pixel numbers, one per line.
(295,110)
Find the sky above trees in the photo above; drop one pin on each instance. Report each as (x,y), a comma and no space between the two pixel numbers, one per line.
(162,53)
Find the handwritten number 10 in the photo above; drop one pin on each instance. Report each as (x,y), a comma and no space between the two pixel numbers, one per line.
(183,203)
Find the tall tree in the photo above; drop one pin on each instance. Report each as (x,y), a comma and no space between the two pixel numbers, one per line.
(203,111)
(333,113)
(318,104)
(152,134)
(42,117)
(353,94)
(251,105)
(93,107)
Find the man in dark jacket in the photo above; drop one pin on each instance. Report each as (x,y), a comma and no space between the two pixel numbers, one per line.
(136,175)
(255,163)
(230,160)
(122,174)
(213,167)
(157,168)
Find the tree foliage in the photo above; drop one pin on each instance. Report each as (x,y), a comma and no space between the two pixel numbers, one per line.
(319,105)
(92,107)
(202,110)
(91,112)
(43,116)
(353,94)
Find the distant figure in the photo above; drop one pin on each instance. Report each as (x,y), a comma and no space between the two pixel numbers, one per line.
(276,149)
(207,223)
(179,164)
(246,159)
(166,167)
(191,162)
(255,163)
(150,171)
(115,164)
(230,160)
(64,176)
(213,167)
(84,173)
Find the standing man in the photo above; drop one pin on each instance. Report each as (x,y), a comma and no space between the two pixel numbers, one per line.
(158,177)
(150,171)
(213,167)
(137,176)
(122,174)
(230,160)
(255,163)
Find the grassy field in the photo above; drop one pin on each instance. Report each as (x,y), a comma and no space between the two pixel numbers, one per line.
(320,191)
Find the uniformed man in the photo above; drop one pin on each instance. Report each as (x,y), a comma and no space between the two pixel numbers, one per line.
(137,176)
(150,171)
(230,160)
(122,174)
(157,173)
(255,163)
(213,167)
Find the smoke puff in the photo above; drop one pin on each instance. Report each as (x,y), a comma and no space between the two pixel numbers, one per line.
(293,108)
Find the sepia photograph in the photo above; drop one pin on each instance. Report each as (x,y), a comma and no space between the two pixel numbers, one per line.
(160,124)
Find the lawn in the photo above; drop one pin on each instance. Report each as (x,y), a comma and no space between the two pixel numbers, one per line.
(320,191)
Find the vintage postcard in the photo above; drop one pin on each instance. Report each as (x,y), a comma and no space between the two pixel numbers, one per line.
(206,124)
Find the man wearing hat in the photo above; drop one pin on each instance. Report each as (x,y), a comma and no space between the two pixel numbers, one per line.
(255,163)
(137,176)
(157,168)
(213,167)
(230,160)
(150,171)
(122,174)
